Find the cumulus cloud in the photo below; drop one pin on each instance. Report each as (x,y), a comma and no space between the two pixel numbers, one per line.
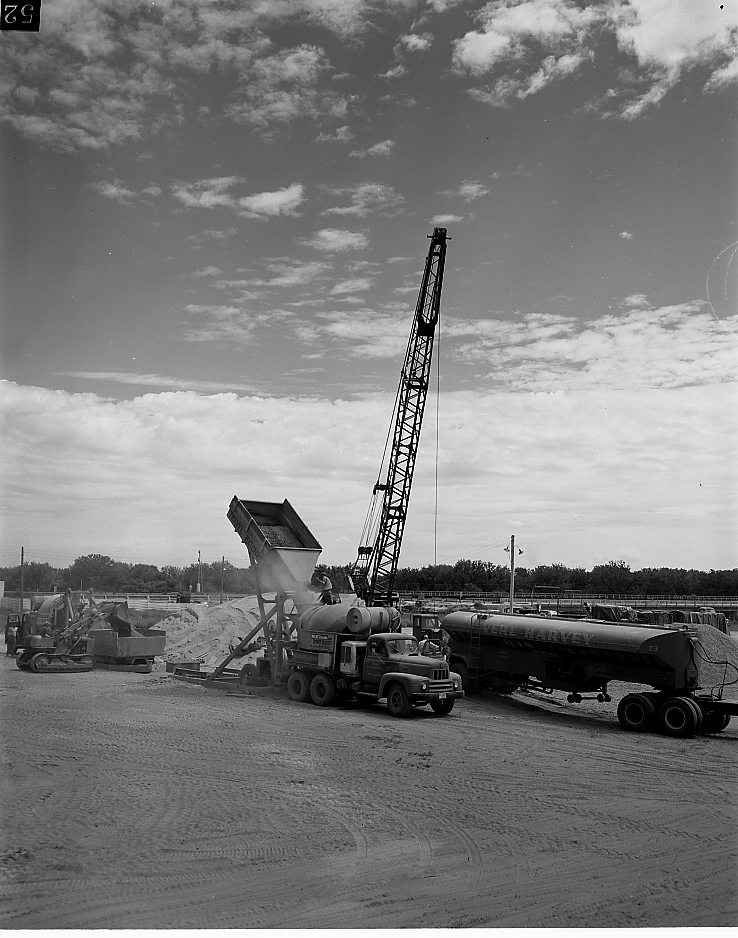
(207,193)
(213,193)
(270,204)
(600,471)
(207,272)
(639,300)
(468,190)
(342,135)
(353,285)
(417,42)
(525,45)
(285,274)
(378,149)
(114,190)
(281,87)
(110,72)
(366,198)
(641,347)
(446,219)
(626,236)
(158,381)
(332,240)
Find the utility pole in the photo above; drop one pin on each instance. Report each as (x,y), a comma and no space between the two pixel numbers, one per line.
(199,573)
(512,572)
(22,571)
(222,570)
(511,549)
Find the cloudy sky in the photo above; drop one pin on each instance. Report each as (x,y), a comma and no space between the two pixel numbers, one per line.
(214,222)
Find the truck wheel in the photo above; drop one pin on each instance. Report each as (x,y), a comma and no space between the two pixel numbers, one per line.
(442,707)
(636,713)
(298,687)
(469,684)
(322,690)
(679,716)
(398,702)
(713,722)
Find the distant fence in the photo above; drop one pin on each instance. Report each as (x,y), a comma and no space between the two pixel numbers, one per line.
(11,602)
(728,604)
(574,598)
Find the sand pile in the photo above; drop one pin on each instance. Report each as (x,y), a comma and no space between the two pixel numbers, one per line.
(713,644)
(204,633)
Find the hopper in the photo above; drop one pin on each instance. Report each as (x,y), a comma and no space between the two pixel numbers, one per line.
(279,543)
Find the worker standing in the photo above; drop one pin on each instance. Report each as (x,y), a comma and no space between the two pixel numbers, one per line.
(11,635)
(326,590)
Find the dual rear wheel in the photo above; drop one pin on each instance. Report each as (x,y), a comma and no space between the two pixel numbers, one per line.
(676,716)
(321,690)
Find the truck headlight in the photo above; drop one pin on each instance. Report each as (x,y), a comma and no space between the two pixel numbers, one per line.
(423,686)
(456,685)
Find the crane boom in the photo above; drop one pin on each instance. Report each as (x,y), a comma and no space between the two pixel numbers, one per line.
(375,568)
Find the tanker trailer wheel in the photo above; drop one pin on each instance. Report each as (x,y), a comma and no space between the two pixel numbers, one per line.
(322,690)
(469,684)
(679,716)
(636,713)
(298,687)
(442,707)
(713,722)
(398,702)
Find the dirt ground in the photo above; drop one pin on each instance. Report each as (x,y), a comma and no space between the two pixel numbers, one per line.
(140,801)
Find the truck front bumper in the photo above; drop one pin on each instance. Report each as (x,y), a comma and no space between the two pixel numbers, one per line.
(434,696)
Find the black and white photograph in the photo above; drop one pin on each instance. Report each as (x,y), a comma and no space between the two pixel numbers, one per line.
(369,464)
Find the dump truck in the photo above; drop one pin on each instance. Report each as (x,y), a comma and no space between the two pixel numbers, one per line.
(355,653)
(64,634)
(121,647)
(579,656)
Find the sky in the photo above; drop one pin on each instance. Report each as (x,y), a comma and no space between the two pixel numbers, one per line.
(214,224)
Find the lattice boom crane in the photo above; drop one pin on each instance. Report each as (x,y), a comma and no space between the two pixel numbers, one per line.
(379,552)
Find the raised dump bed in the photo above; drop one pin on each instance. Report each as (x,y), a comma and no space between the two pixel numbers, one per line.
(279,542)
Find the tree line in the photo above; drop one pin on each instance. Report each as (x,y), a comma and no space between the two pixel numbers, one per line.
(103,574)
(469,576)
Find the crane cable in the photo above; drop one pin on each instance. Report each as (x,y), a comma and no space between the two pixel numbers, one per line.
(435,513)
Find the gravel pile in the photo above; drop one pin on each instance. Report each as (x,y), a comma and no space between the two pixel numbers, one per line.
(719,648)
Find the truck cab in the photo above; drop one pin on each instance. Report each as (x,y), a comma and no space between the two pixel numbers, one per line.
(388,666)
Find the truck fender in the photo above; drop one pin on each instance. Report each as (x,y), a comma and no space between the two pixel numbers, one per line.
(410,682)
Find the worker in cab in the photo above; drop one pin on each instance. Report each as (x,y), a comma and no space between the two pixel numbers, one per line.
(326,590)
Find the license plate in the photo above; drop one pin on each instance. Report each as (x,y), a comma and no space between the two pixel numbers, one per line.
(441,696)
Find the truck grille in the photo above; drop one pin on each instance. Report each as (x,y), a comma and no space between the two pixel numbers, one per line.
(440,674)
(436,687)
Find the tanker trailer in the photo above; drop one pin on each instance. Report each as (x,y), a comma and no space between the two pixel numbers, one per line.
(506,652)
(355,653)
